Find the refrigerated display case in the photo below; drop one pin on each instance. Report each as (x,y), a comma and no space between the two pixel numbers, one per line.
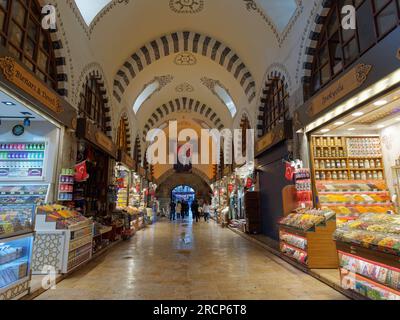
(15,266)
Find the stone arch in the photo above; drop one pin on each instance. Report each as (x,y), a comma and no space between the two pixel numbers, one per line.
(184,41)
(273,73)
(61,52)
(181,105)
(312,40)
(94,70)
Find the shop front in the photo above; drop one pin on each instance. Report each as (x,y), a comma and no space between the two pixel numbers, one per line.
(349,134)
(272,152)
(33,123)
(128,205)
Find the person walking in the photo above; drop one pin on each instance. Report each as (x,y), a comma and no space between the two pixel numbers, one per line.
(195,210)
(178,209)
(206,211)
(172,206)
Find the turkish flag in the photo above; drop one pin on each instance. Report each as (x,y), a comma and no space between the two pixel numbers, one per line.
(81,173)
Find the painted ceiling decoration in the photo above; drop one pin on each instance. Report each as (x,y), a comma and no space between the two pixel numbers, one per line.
(155,85)
(186,6)
(179,105)
(179,42)
(285,13)
(218,89)
(184,87)
(185,59)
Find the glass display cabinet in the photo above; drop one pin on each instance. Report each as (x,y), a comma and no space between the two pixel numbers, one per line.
(15,266)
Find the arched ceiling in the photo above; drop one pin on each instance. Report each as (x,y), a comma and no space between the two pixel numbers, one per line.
(231,42)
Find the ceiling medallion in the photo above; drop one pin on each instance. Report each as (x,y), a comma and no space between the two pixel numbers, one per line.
(184,87)
(185,59)
(186,6)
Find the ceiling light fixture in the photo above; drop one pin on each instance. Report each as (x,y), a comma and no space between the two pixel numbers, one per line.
(351,129)
(339,123)
(381,126)
(380,103)
(8,103)
(325,130)
(358,114)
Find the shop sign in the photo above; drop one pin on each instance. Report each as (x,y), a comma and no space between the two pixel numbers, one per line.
(124,158)
(89,132)
(278,134)
(227,170)
(24,80)
(142,172)
(339,89)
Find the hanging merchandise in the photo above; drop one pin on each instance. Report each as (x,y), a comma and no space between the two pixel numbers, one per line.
(81,174)
(303,182)
(249,183)
(289,172)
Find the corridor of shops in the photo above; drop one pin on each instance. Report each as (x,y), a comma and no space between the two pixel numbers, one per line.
(189,261)
(277,121)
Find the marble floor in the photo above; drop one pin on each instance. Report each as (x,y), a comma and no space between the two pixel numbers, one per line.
(184,261)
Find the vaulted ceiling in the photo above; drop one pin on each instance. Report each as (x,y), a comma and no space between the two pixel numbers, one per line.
(192,48)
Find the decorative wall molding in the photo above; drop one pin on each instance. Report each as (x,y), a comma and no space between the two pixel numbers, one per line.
(182,104)
(186,6)
(185,59)
(184,41)
(125,117)
(184,87)
(252,6)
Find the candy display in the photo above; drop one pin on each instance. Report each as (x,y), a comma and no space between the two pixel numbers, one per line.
(385,275)
(294,253)
(22,160)
(66,185)
(374,231)
(17,207)
(64,217)
(307,219)
(294,240)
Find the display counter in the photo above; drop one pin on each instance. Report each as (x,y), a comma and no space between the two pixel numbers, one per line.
(369,251)
(63,239)
(306,238)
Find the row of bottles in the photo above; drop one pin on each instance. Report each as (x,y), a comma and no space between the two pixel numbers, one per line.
(329,153)
(365,164)
(329,142)
(330,164)
(354,175)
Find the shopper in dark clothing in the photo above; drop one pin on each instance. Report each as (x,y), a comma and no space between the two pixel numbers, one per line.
(195,210)
(184,209)
(172,206)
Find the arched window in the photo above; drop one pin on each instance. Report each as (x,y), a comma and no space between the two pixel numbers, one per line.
(22,34)
(276,105)
(92,104)
(122,139)
(337,48)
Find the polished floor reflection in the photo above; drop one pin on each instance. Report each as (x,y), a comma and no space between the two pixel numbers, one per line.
(184,261)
